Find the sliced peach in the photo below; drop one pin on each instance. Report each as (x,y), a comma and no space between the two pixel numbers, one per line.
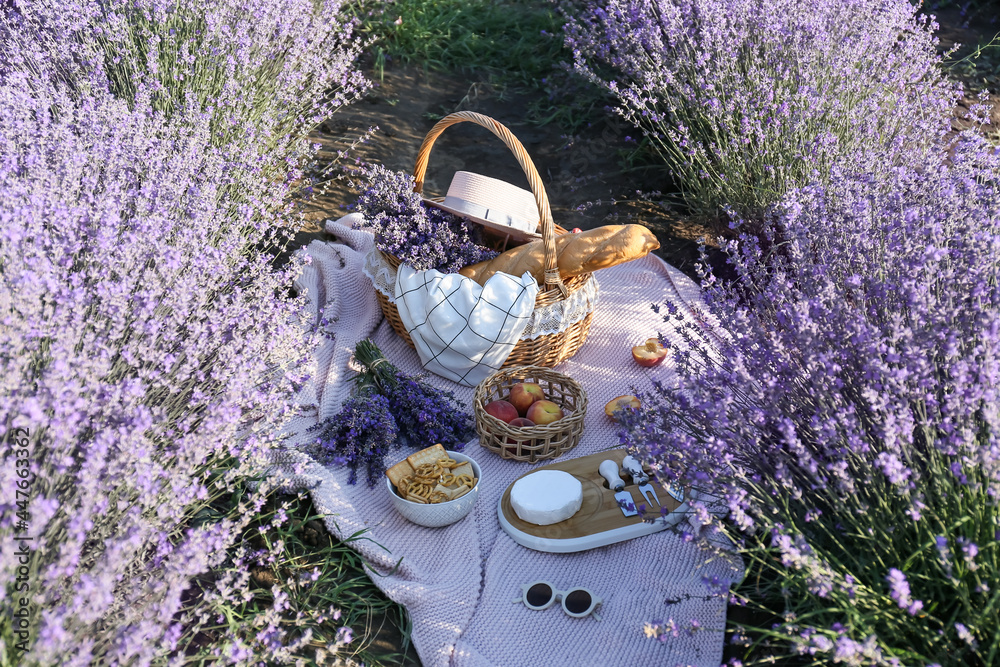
(649,353)
(621,403)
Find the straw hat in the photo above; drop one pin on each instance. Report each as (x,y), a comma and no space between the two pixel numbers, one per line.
(494,204)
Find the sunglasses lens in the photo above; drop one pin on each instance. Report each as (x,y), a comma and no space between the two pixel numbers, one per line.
(578,601)
(538,595)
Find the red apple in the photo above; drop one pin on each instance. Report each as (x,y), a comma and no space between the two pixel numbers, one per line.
(502,410)
(523,394)
(544,412)
(649,353)
(621,403)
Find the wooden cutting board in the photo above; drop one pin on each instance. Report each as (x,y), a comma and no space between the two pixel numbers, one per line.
(599,520)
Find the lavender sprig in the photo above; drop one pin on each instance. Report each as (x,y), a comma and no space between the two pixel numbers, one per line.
(359,436)
(425,415)
(366,428)
(421,236)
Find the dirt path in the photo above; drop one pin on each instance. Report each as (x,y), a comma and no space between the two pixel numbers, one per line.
(576,171)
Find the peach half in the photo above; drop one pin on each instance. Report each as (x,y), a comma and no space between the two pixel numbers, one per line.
(649,353)
(621,403)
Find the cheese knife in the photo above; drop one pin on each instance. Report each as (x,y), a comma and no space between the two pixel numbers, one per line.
(632,466)
(609,471)
(673,488)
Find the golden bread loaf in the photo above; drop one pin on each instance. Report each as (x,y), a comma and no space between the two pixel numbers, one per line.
(576,254)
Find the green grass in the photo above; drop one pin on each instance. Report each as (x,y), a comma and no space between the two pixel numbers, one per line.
(980,69)
(515,43)
(518,38)
(327,589)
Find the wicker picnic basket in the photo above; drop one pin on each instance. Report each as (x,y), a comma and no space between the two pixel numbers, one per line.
(544,350)
(530,443)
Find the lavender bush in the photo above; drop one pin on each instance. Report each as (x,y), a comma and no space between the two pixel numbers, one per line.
(422,236)
(745,100)
(848,416)
(147,348)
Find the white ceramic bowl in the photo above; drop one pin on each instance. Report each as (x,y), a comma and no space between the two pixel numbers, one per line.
(438,514)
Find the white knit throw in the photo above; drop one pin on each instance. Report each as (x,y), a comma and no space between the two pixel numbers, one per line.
(458,582)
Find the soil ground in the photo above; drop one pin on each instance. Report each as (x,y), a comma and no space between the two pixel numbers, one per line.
(964,32)
(583,174)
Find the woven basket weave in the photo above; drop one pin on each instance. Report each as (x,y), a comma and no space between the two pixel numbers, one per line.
(546,350)
(531,443)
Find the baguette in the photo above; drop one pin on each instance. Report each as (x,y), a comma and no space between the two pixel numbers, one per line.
(576,254)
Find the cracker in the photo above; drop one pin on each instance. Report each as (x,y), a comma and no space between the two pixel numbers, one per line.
(460,491)
(429,455)
(398,472)
(464,469)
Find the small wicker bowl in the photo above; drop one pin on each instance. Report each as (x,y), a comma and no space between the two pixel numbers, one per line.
(530,443)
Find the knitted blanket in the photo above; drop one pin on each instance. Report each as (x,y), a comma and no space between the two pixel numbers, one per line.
(458,582)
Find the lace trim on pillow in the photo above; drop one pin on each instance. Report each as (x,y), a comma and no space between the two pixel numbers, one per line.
(382,275)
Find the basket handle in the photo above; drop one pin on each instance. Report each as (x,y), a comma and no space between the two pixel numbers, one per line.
(552,277)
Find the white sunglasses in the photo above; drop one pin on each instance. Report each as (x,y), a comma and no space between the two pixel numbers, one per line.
(576,602)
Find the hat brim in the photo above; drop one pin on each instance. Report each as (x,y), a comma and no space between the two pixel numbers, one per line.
(513,233)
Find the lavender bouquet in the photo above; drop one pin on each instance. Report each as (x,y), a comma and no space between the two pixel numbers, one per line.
(421,236)
(362,433)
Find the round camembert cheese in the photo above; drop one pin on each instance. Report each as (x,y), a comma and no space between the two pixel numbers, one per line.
(546,497)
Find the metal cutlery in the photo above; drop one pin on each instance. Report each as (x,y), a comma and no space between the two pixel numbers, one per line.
(634,468)
(609,471)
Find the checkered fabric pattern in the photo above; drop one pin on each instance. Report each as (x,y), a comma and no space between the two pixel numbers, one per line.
(461,330)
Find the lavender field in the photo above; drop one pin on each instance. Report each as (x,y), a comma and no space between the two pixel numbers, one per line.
(156,157)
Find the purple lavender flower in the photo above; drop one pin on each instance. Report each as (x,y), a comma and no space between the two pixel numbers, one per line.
(425,414)
(419,235)
(969,552)
(745,100)
(965,635)
(147,345)
(899,590)
(846,403)
(345,635)
(360,436)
